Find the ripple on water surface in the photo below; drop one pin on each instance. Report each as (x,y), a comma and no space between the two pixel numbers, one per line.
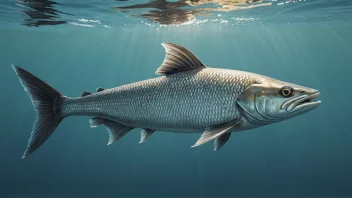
(155,13)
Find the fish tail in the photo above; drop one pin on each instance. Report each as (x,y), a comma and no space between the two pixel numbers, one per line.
(46,101)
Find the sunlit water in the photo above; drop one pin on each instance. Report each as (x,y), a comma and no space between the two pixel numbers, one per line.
(78,46)
(110,14)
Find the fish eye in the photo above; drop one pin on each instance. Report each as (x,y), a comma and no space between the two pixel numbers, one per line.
(286,91)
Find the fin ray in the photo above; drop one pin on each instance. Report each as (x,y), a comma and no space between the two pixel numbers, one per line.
(221,140)
(178,59)
(145,133)
(115,130)
(45,100)
(215,131)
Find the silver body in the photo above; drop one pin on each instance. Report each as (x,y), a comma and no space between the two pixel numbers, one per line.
(190,97)
(183,102)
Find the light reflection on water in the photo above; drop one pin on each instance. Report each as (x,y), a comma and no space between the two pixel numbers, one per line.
(94,13)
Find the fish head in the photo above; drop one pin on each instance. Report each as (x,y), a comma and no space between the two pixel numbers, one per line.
(273,100)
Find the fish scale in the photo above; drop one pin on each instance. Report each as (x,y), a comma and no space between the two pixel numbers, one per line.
(190,97)
(186,101)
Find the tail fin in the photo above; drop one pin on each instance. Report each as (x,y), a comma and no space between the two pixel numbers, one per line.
(46,101)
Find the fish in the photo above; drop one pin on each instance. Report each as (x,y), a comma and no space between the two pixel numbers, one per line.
(188,97)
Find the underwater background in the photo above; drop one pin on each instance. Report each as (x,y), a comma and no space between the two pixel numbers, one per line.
(77,46)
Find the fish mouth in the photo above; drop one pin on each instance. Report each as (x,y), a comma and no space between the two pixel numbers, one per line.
(304,102)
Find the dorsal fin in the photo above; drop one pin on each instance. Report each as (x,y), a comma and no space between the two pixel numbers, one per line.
(99,89)
(178,59)
(86,93)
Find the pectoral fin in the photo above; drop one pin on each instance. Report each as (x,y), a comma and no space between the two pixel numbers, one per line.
(116,130)
(145,133)
(220,141)
(215,131)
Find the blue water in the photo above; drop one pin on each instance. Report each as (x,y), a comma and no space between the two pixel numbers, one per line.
(303,42)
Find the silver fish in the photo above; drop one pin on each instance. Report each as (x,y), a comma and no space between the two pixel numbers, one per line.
(189,98)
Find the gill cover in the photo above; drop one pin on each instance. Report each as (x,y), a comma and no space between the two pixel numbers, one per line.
(248,101)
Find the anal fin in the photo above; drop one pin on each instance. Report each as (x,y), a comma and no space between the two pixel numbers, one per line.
(145,133)
(116,130)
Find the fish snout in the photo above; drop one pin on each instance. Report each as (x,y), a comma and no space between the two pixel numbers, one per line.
(306,100)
